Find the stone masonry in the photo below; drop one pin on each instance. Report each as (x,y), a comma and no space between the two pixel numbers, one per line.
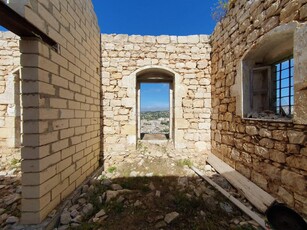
(188,57)
(61,103)
(9,115)
(271,154)
(72,117)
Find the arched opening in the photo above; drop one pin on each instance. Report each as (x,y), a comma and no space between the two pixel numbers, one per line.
(157,74)
(156,122)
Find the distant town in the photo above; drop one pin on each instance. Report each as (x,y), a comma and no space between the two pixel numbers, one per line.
(155,122)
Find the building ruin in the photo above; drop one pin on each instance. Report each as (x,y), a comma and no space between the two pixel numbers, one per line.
(78,98)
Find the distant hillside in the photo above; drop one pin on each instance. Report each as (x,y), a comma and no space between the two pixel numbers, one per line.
(154,115)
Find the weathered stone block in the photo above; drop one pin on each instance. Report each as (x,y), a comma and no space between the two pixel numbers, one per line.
(259,179)
(251,130)
(277,156)
(291,148)
(193,39)
(235,155)
(202,146)
(299,162)
(286,196)
(128,129)
(250,148)
(183,123)
(227,139)
(267,143)
(136,39)
(128,102)
(303,12)
(163,39)
(279,135)
(244,170)
(204,126)
(198,104)
(182,39)
(261,151)
(296,137)
(294,181)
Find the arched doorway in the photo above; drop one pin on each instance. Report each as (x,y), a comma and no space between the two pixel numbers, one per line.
(158,74)
(163,83)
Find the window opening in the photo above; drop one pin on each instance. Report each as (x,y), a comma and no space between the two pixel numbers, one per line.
(284,82)
(271,90)
(155,111)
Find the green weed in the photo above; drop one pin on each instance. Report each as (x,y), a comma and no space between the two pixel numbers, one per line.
(185,162)
(112,169)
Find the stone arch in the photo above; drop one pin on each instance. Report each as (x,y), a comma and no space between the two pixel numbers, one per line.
(154,68)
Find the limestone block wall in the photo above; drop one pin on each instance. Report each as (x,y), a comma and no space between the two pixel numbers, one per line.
(9,110)
(61,103)
(273,154)
(187,58)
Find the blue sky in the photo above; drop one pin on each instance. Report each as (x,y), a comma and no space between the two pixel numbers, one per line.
(154,96)
(155,17)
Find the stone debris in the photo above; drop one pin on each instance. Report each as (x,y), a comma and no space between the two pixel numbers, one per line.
(10,197)
(170,217)
(144,194)
(11,220)
(158,194)
(152,186)
(134,174)
(110,194)
(137,203)
(226,207)
(116,187)
(208,168)
(160,224)
(88,209)
(100,213)
(65,218)
(116,194)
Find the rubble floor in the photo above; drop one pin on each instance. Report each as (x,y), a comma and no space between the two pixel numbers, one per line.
(149,192)
(148,189)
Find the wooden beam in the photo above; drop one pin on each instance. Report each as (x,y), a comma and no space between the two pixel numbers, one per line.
(235,201)
(257,196)
(20,26)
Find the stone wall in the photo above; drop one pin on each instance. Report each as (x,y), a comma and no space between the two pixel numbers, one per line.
(186,58)
(61,103)
(273,154)
(9,110)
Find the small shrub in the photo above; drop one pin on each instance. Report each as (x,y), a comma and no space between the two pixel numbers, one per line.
(15,163)
(184,162)
(111,169)
(221,8)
